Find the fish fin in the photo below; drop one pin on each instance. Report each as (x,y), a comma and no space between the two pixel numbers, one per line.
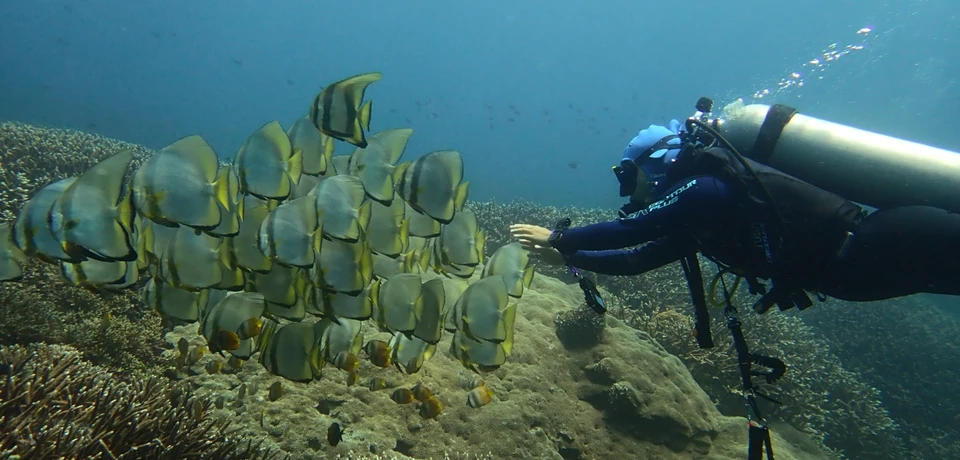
(145,242)
(509,318)
(327,154)
(366,263)
(424,260)
(240,204)
(295,166)
(481,239)
(318,239)
(460,195)
(375,292)
(404,235)
(363,215)
(528,275)
(222,189)
(399,171)
(363,115)
(126,214)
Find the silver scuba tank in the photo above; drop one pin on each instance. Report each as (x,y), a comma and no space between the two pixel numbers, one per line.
(862,166)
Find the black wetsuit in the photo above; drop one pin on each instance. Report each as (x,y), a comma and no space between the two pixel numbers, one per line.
(891,253)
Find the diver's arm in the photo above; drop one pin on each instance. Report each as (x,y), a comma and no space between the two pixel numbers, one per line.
(654,254)
(695,204)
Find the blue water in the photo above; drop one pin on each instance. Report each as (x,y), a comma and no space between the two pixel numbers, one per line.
(521,88)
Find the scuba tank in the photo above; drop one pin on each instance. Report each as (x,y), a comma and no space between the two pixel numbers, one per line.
(869,168)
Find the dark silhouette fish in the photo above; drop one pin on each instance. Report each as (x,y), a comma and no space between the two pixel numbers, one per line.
(334,434)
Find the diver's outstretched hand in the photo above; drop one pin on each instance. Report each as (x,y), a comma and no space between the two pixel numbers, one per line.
(531,235)
(536,240)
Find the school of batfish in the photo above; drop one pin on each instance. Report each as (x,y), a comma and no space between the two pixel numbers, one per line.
(288,253)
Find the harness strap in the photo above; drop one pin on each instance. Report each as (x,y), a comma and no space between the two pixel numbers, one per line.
(701,317)
(777,118)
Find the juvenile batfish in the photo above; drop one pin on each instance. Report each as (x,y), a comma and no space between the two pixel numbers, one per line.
(11,257)
(433,185)
(480,354)
(172,301)
(194,260)
(452,289)
(289,234)
(317,147)
(278,285)
(388,230)
(375,163)
(92,218)
(342,341)
(293,351)
(386,267)
(255,211)
(306,184)
(462,241)
(267,164)
(92,272)
(232,215)
(344,305)
(400,304)
(341,208)
(431,318)
(154,239)
(420,224)
(180,184)
(512,262)
(409,354)
(339,111)
(222,320)
(32,233)
(484,310)
(343,267)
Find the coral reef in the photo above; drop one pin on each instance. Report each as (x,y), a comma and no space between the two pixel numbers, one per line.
(54,405)
(579,328)
(626,397)
(869,381)
(111,328)
(108,327)
(907,348)
(33,156)
(821,397)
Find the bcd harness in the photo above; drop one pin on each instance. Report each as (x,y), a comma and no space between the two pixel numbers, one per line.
(794,267)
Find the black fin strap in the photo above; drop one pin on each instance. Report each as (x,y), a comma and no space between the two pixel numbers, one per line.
(759,442)
(701,318)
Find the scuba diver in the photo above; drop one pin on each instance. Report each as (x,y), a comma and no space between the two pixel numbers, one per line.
(758,222)
(692,192)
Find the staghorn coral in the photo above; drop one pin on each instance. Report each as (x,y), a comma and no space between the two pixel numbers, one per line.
(899,345)
(108,327)
(54,405)
(33,156)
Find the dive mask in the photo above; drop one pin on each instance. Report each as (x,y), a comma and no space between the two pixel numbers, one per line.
(645,175)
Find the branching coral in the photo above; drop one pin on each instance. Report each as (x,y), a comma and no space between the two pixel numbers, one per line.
(54,405)
(906,347)
(32,156)
(108,327)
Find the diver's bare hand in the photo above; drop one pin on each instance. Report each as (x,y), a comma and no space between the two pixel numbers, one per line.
(547,255)
(531,236)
